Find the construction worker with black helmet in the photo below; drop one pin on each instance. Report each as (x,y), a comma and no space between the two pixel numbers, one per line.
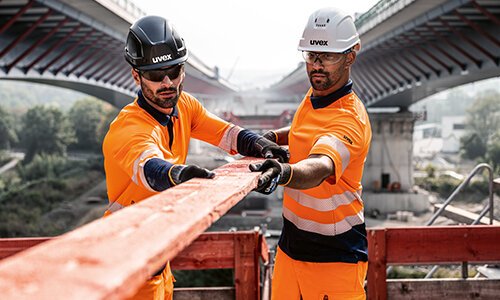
(322,251)
(146,146)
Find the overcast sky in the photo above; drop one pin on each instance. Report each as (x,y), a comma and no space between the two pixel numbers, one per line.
(257,39)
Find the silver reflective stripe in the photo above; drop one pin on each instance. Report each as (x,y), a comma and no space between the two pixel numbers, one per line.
(324,229)
(142,176)
(337,145)
(322,204)
(115,206)
(229,140)
(138,167)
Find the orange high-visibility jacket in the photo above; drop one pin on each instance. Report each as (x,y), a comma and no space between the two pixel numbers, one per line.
(140,133)
(326,223)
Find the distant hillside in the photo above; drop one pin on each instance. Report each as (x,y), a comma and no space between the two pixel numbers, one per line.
(17,97)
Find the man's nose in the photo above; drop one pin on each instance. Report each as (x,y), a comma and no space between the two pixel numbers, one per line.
(317,64)
(166,81)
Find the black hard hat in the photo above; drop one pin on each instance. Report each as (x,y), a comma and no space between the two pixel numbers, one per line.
(153,43)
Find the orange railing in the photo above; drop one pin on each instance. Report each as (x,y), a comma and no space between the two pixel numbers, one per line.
(432,245)
(112,257)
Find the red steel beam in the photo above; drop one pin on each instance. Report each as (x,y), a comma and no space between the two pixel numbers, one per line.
(92,63)
(112,66)
(99,68)
(477,28)
(414,65)
(486,13)
(120,74)
(462,51)
(16,16)
(474,44)
(38,43)
(432,56)
(365,88)
(377,265)
(420,245)
(375,90)
(110,258)
(64,52)
(445,53)
(384,74)
(88,51)
(50,49)
(423,61)
(26,33)
(448,68)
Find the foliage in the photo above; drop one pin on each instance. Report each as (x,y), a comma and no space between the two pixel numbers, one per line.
(45,130)
(17,97)
(204,278)
(475,191)
(7,131)
(483,128)
(85,117)
(103,127)
(43,166)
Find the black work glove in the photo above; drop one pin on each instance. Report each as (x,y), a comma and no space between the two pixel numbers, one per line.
(273,173)
(268,149)
(271,135)
(181,173)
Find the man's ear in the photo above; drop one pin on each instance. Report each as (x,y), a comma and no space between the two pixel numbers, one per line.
(135,74)
(351,57)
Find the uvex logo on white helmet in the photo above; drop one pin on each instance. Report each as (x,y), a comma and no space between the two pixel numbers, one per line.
(329,30)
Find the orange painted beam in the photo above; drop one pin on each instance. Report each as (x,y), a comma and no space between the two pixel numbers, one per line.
(427,245)
(11,246)
(111,258)
(443,244)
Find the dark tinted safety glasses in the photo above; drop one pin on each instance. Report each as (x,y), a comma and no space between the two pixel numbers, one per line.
(158,75)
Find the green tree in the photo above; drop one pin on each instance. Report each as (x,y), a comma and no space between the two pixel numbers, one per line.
(483,122)
(45,130)
(7,131)
(109,116)
(86,116)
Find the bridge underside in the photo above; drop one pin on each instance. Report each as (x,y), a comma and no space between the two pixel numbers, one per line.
(66,44)
(453,43)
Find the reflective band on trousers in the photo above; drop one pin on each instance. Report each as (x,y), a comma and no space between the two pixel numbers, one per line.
(323,204)
(229,141)
(337,145)
(324,229)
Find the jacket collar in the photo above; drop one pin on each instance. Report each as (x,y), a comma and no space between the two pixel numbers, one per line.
(162,118)
(324,101)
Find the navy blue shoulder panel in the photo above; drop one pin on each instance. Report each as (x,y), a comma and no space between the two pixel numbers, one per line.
(348,247)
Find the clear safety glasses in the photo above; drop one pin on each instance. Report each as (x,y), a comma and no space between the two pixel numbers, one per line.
(325,58)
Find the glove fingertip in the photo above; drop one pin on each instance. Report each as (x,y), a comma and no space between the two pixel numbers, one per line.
(254,167)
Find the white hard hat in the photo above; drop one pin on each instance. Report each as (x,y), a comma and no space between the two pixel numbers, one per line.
(329,30)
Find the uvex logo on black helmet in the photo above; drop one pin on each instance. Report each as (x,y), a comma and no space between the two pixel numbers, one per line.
(153,43)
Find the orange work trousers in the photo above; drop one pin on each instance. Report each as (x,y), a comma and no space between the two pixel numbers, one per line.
(159,287)
(295,280)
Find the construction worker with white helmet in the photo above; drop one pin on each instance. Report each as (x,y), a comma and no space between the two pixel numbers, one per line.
(322,251)
(146,146)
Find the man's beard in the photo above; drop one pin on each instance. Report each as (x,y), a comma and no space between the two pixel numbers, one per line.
(162,102)
(325,83)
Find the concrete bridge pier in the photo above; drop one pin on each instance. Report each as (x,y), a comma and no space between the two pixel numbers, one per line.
(388,175)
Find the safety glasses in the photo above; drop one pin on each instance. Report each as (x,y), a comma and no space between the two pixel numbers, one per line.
(325,58)
(158,75)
